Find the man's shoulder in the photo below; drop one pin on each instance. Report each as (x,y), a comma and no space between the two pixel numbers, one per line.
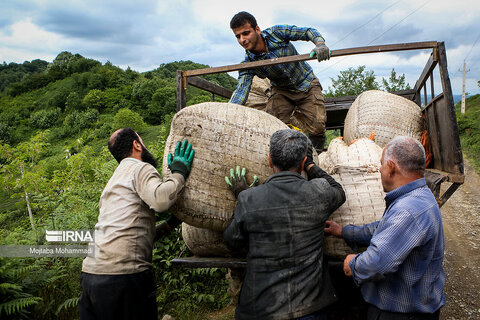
(416,202)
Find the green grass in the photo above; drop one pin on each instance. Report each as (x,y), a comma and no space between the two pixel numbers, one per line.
(469,129)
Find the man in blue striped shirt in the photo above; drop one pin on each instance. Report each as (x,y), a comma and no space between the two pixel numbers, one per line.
(400,274)
(294,86)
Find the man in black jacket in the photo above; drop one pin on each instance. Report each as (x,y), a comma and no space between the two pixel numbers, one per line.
(281,223)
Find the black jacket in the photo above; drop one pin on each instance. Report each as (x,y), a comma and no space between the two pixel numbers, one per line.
(281,222)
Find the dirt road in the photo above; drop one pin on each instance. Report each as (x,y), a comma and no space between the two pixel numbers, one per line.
(461,223)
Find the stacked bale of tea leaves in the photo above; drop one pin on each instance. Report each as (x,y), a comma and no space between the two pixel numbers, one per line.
(356,168)
(204,242)
(223,135)
(386,114)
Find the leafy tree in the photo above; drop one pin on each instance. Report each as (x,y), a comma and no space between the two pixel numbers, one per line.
(94,99)
(353,82)
(76,121)
(395,84)
(128,118)
(21,173)
(45,119)
(163,103)
(73,102)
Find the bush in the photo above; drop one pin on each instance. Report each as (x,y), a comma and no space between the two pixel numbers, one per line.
(128,118)
(77,121)
(45,119)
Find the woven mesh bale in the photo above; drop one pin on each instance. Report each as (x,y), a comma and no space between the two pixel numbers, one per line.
(356,168)
(362,153)
(260,91)
(204,242)
(385,113)
(223,135)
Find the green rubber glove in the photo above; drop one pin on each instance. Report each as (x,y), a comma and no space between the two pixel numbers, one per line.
(238,181)
(321,51)
(181,162)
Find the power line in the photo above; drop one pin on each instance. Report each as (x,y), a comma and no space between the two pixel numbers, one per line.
(415,10)
(396,24)
(361,26)
(471,49)
(473,45)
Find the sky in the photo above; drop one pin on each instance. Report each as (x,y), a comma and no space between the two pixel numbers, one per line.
(143,34)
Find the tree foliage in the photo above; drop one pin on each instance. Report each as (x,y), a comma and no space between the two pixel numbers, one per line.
(353,82)
(55,120)
(395,84)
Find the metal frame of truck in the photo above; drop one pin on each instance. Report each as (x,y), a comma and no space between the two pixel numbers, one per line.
(439,113)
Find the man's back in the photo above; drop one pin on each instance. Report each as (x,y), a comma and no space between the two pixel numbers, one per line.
(284,219)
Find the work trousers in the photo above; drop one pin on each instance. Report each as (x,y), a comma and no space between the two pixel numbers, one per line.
(308,108)
(376,314)
(126,296)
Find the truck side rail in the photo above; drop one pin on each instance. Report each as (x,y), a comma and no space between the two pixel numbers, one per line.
(438,110)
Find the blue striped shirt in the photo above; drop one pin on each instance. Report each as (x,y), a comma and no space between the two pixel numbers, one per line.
(290,76)
(401,270)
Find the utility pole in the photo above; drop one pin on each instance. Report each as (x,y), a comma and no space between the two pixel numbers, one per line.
(463,88)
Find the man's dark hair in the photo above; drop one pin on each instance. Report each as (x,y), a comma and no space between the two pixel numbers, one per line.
(287,149)
(241,18)
(121,143)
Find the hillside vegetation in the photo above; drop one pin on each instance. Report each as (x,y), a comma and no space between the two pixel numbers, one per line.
(469,129)
(55,120)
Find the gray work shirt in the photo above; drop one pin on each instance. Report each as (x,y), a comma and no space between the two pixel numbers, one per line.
(126,224)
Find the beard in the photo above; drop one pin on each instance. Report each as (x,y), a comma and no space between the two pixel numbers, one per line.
(148,157)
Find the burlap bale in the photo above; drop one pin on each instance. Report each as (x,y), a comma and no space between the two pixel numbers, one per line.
(223,135)
(260,91)
(356,168)
(385,113)
(204,242)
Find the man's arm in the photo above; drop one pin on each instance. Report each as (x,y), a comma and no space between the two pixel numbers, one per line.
(398,236)
(159,195)
(338,194)
(294,33)
(240,95)
(234,234)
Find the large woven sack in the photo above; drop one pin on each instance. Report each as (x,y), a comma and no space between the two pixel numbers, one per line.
(204,242)
(260,91)
(223,135)
(386,114)
(356,168)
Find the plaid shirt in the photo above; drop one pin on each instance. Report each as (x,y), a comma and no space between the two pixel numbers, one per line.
(290,76)
(401,270)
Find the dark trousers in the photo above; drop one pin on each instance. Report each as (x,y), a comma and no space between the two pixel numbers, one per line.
(126,296)
(376,314)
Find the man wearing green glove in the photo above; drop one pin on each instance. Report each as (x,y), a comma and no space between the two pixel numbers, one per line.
(281,223)
(117,280)
(294,86)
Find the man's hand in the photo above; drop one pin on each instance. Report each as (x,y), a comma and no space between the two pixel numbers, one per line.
(181,162)
(333,228)
(309,163)
(238,182)
(346,266)
(166,227)
(321,51)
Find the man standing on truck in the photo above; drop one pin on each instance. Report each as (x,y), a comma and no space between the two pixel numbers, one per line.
(281,223)
(294,86)
(400,274)
(117,281)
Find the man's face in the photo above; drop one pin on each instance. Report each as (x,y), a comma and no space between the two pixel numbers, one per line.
(146,155)
(247,36)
